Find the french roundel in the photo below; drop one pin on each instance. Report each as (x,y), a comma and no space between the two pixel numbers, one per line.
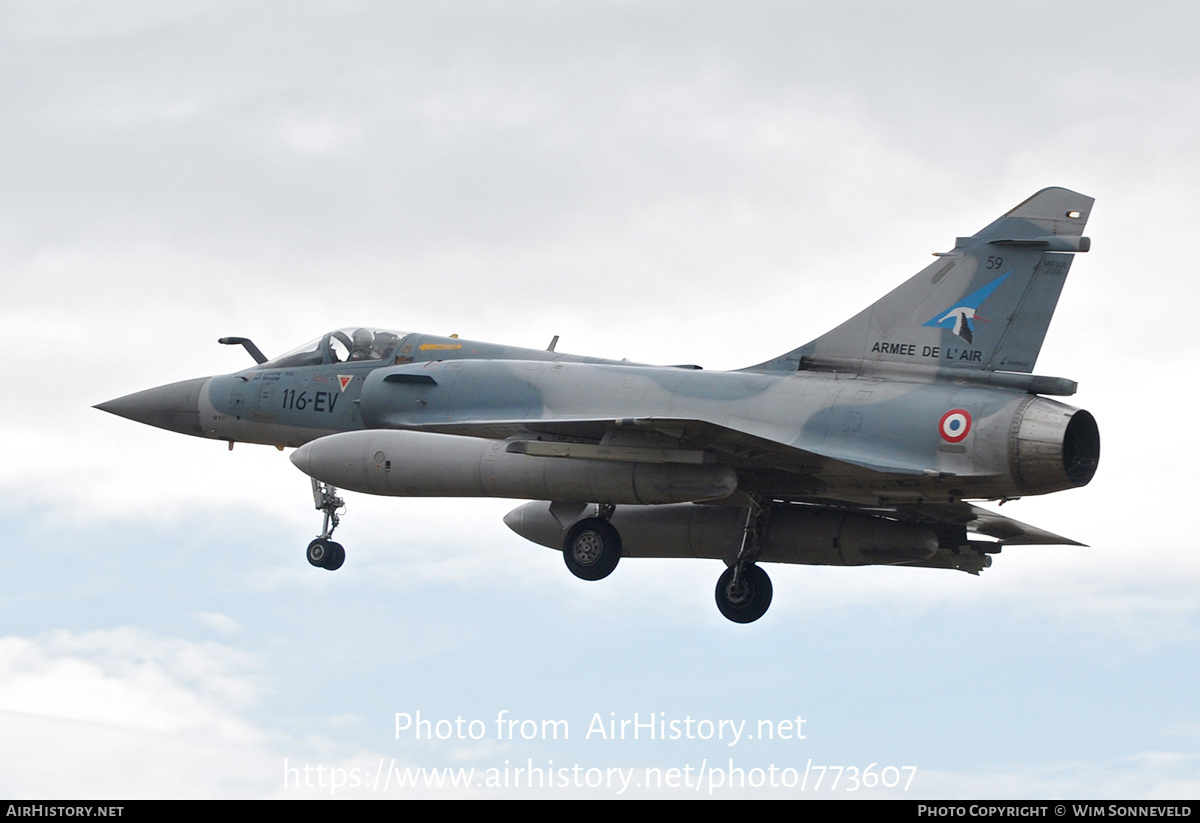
(955,425)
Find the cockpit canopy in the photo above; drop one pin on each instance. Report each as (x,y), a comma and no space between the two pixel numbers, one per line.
(349,345)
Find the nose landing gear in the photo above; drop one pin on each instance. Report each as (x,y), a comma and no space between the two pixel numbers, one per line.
(323,552)
(326,554)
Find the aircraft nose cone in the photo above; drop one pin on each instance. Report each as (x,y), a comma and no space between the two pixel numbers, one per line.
(175,407)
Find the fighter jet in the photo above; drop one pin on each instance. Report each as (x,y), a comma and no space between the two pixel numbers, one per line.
(864,446)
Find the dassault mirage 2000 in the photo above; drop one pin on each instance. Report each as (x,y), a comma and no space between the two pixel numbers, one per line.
(861,447)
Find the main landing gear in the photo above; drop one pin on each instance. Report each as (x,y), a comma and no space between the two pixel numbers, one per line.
(744,598)
(592,549)
(744,589)
(323,552)
(592,546)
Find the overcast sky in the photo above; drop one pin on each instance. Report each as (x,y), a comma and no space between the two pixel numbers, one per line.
(700,182)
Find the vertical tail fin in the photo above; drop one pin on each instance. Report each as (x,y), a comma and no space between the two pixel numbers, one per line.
(984,305)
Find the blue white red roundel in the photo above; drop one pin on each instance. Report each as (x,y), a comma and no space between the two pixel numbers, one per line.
(955,425)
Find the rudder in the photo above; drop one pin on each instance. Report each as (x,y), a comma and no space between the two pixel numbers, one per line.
(986,304)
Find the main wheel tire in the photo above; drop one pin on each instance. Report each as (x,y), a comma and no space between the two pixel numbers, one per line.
(749,600)
(592,549)
(318,552)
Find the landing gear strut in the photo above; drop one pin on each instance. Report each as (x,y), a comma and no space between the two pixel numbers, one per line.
(323,552)
(744,589)
(592,546)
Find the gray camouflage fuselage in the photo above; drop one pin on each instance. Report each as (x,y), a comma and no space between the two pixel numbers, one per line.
(861,446)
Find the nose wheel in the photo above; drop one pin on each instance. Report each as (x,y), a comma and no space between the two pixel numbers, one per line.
(326,554)
(323,552)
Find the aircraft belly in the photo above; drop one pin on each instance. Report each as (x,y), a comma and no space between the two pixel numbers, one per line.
(800,535)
